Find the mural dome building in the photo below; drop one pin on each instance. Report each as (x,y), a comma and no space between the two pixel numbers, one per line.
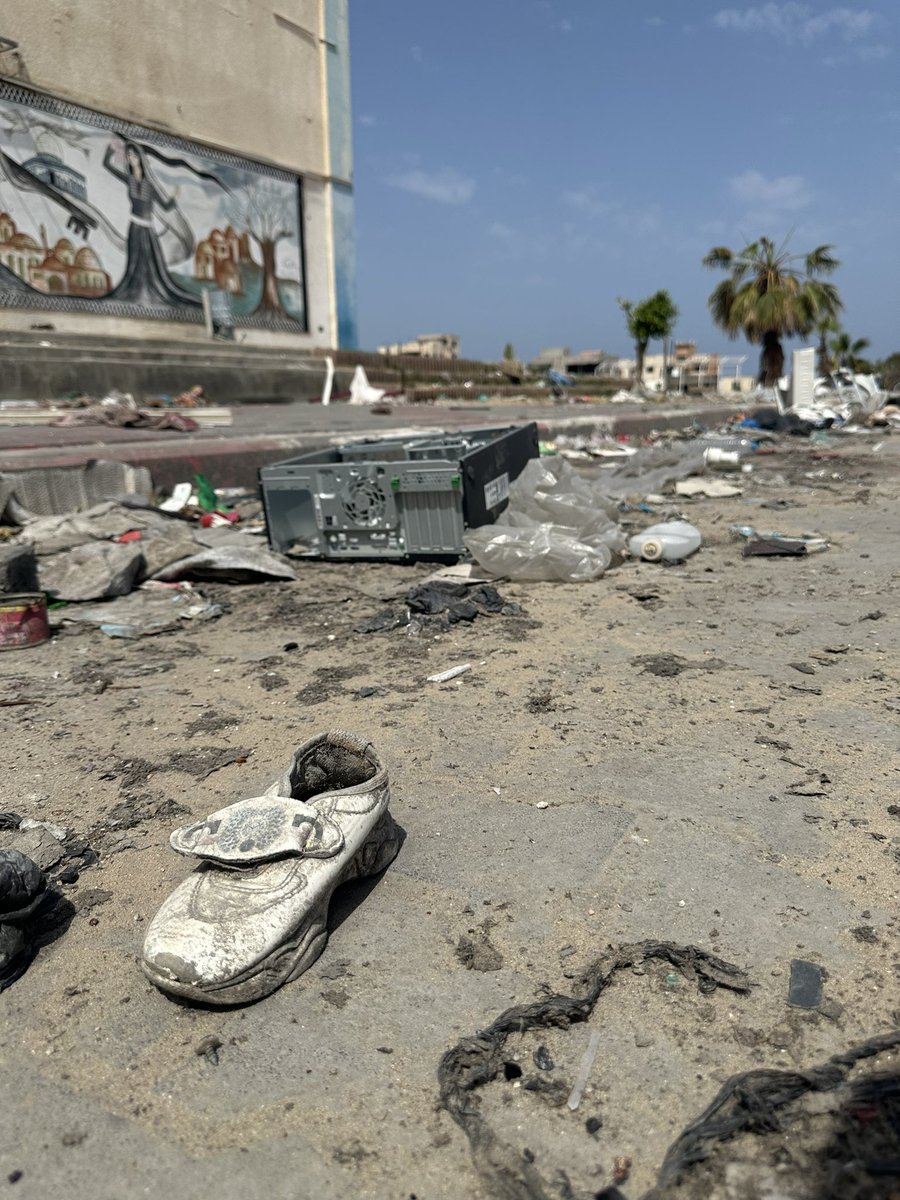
(18,250)
(48,165)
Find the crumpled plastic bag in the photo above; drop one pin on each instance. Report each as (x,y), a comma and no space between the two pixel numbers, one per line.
(557,527)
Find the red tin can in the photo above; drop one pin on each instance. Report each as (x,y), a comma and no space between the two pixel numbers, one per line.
(23,620)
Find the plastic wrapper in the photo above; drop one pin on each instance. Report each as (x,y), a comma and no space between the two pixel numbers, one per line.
(653,468)
(557,527)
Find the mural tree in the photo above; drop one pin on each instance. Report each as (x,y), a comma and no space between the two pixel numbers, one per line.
(268,216)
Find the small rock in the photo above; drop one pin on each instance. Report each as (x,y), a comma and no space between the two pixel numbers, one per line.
(621,1169)
(543,1060)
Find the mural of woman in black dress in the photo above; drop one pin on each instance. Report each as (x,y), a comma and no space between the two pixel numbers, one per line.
(147,279)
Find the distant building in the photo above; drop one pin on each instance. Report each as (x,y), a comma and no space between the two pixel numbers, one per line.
(552,358)
(426,345)
(596,363)
(622,368)
(590,362)
(690,371)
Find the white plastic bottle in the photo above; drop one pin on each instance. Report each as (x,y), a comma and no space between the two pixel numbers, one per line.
(669,540)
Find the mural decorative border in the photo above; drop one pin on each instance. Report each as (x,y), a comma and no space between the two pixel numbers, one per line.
(130,130)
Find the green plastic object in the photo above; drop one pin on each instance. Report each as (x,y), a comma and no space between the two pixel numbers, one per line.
(206,494)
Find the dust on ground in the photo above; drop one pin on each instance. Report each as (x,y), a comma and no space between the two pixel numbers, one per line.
(704,753)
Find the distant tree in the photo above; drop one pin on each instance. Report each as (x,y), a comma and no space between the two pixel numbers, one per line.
(509,352)
(848,351)
(825,325)
(768,296)
(889,371)
(647,320)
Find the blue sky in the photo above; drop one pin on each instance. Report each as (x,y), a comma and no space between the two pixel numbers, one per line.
(519,164)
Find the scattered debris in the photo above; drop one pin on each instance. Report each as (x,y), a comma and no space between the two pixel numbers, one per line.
(771,544)
(557,527)
(23,891)
(475,1061)
(477,952)
(23,620)
(758,547)
(451,673)
(667,665)
(805,990)
(209,1048)
(584,1070)
(712,489)
(670,541)
(153,608)
(543,1059)
(757,1101)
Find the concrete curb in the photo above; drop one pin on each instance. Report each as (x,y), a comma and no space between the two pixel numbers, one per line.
(233,458)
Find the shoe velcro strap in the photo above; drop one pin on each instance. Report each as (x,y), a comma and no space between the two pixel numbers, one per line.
(259,830)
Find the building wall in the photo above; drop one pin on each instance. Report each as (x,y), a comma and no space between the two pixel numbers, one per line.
(211,84)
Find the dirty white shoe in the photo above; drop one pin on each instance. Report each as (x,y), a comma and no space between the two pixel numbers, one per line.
(254,914)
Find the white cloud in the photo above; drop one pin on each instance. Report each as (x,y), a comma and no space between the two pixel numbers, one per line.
(417,54)
(586,200)
(503,233)
(445,186)
(566,26)
(367,120)
(782,194)
(799,23)
(589,202)
(654,22)
(874,53)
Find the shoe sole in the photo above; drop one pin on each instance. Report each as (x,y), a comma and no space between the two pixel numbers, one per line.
(296,955)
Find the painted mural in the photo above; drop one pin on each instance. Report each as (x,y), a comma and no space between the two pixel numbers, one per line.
(100,216)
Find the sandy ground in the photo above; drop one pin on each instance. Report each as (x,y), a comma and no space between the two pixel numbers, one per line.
(560,797)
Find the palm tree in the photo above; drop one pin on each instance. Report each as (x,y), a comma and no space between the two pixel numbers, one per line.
(824,326)
(848,351)
(770,295)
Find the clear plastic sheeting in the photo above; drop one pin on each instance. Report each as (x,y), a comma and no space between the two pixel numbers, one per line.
(557,527)
(653,468)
